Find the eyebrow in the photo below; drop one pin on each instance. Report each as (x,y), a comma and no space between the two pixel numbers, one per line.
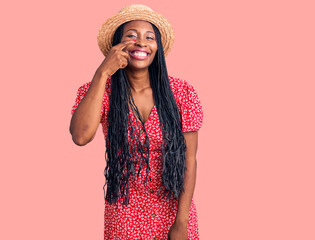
(136,30)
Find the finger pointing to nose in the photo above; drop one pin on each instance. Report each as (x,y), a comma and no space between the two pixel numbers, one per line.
(124,45)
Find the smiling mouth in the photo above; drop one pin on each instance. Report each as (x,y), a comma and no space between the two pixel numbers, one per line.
(140,55)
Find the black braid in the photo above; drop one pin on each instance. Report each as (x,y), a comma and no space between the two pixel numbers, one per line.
(120,155)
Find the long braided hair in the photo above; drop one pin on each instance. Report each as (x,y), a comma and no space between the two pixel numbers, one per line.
(120,155)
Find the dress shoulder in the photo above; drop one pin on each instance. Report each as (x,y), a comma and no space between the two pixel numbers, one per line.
(188,103)
(82,90)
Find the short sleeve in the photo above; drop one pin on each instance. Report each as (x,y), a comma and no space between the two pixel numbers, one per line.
(190,108)
(80,95)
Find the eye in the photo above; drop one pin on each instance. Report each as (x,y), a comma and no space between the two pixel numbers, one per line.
(152,38)
(131,36)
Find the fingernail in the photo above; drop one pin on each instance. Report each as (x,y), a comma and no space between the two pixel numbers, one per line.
(134,40)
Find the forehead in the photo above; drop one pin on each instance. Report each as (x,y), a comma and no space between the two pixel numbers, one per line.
(139,25)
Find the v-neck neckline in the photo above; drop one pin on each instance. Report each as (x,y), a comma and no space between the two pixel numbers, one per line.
(141,116)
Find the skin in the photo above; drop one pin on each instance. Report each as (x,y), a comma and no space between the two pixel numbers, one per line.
(86,118)
(179,228)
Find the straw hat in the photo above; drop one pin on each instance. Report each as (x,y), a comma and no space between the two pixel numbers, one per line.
(135,12)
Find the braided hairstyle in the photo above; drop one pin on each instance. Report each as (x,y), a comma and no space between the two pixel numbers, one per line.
(120,155)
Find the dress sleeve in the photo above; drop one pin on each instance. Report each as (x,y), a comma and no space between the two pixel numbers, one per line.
(80,95)
(190,108)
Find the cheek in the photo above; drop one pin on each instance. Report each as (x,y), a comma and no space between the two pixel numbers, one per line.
(154,47)
(153,56)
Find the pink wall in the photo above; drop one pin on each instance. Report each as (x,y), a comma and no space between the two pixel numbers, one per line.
(252,63)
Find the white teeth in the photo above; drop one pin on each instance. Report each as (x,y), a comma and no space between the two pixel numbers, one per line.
(139,53)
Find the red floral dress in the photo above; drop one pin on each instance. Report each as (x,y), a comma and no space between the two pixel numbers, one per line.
(147,216)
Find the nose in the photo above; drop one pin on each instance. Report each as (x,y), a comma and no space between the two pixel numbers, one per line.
(139,41)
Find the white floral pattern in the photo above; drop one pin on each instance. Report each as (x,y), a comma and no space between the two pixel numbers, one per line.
(147,216)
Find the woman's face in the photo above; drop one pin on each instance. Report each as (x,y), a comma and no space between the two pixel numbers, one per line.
(143,51)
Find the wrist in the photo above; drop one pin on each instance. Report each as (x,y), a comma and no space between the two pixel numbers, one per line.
(181,221)
(102,74)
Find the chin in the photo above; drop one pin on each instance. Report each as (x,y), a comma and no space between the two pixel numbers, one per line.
(138,66)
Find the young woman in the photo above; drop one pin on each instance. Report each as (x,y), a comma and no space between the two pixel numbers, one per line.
(150,123)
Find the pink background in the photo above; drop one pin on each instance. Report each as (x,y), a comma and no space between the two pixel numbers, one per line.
(252,64)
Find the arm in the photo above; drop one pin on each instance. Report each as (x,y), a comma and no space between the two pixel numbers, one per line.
(179,228)
(86,118)
(184,201)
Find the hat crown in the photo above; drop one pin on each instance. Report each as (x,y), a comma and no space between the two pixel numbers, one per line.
(136,7)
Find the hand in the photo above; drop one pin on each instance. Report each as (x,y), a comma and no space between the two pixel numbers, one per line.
(178,231)
(116,58)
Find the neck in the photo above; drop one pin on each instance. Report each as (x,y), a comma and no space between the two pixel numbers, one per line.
(139,79)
